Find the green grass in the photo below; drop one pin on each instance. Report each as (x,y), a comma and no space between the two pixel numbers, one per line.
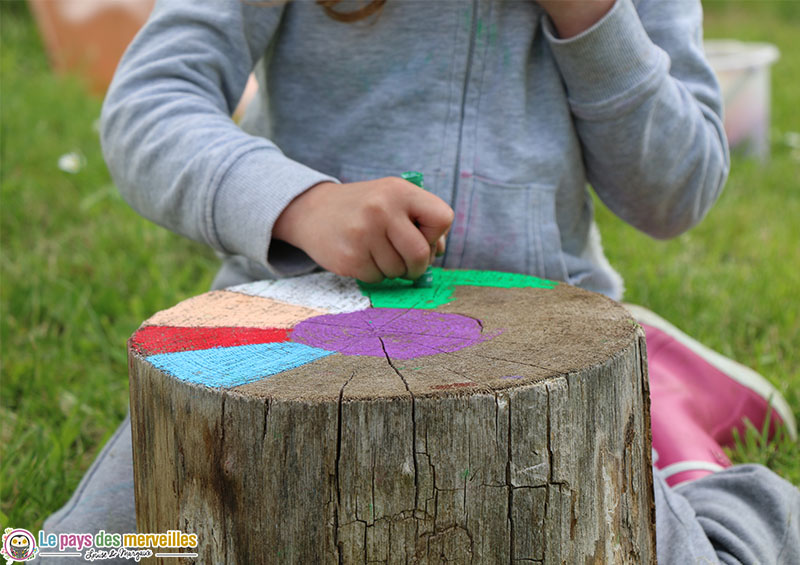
(80,270)
(733,281)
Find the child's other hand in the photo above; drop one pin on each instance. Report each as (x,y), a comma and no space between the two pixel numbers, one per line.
(371,230)
(572,17)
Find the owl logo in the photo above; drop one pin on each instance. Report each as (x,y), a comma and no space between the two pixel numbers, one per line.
(18,545)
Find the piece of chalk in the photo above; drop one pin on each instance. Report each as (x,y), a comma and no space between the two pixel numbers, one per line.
(426,280)
(414,177)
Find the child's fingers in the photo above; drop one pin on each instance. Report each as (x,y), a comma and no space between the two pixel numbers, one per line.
(432,214)
(367,272)
(387,259)
(412,246)
(441,245)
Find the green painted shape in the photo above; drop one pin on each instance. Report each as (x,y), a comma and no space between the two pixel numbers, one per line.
(400,293)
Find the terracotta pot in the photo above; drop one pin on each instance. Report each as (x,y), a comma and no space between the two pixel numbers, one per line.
(89,36)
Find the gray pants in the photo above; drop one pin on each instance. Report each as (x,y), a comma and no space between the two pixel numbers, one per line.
(745,514)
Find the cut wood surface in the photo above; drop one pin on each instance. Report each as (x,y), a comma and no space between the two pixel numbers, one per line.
(494,418)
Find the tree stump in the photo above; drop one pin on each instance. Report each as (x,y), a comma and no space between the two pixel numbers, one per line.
(493,418)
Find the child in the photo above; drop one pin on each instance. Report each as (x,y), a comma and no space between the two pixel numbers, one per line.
(509,107)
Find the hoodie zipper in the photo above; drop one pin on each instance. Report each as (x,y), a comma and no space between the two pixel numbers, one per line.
(467,76)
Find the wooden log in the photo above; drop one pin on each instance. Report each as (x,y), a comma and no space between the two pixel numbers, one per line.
(493,418)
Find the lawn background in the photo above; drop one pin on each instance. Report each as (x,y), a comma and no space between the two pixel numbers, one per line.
(80,270)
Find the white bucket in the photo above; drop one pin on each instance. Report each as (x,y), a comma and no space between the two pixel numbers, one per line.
(743,72)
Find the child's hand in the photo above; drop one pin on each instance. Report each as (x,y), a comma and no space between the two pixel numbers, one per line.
(371,230)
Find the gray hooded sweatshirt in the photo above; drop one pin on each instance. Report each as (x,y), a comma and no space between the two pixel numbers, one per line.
(509,124)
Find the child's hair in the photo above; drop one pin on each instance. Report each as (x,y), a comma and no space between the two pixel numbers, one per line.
(364,12)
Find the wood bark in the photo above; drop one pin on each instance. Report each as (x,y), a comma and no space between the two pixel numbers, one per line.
(542,456)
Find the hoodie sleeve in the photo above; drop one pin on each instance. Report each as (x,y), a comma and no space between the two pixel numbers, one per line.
(171,145)
(647,109)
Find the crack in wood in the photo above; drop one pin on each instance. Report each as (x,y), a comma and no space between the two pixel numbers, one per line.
(372,505)
(398,517)
(266,417)
(413,430)
(425,513)
(547,433)
(482,386)
(433,536)
(336,542)
(545,517)
(466,473)
(225,483)
(509,484)
(485,356)
(647,455)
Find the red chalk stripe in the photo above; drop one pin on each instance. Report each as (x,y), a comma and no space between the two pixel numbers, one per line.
(152,340)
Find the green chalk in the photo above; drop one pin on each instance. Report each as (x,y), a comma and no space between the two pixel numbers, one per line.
(414,177)
(426,280)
